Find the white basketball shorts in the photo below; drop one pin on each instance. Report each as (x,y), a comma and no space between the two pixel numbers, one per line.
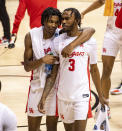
(33,101)
(71,111)
(112,43)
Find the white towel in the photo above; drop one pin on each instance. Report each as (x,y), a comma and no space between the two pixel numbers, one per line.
(37,46)
(101,117)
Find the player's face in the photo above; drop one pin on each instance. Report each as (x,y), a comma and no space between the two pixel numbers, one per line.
(68,20)
(52,24)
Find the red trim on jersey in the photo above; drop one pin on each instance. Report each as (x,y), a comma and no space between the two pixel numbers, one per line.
(27,99)
(56,113)
(56,95)
(29,91)
(118,21)
(88,72)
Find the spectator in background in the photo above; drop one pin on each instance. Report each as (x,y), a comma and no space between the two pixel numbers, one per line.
(34,9)
(4,18)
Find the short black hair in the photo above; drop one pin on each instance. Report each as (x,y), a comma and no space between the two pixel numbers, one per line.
(48,12)
(76,13)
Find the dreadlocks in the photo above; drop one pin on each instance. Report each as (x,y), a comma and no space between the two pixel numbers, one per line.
(50,12)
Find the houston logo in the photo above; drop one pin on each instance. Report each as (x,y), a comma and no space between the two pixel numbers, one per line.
(47,50)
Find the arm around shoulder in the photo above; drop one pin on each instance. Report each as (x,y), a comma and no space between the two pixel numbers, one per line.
(85,35)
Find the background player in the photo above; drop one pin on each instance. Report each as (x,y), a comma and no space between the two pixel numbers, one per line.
(112,44)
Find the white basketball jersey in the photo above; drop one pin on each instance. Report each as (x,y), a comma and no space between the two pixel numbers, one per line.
(38,79)
(74,76)
(111,19)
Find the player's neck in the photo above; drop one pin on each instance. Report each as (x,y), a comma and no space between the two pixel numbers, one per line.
(47,34)
(74,32)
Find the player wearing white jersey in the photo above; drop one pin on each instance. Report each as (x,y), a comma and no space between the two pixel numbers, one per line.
(36,56)
(112,44)
(74,84)
(8,120)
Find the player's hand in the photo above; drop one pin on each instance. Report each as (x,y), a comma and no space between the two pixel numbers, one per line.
(103,101)
(66,52)
(41,106)
(49,59)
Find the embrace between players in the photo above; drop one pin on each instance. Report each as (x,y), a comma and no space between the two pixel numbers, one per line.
(60,80)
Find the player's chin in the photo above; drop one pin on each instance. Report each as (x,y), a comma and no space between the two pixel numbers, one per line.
(52,30)
(66,28)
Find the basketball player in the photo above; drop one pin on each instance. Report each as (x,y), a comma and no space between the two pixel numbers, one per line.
(111,46)
(50,20)
(118,23)
(8,120)
(74,76)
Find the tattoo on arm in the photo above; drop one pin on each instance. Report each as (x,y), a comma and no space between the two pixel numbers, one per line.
(50,81)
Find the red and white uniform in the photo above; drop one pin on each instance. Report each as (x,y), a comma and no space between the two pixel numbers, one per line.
(74,82)
(8,120)
(38,78)
(113,35)
(34,9)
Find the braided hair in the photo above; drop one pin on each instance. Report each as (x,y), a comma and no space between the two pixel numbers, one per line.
(76,13)
(50,11)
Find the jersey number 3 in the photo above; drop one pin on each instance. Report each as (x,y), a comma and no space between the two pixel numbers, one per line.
(72,65)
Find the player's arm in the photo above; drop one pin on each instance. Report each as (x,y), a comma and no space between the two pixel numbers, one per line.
(96,78)
(96,4)
(83,37)
(29,63)
(92,51)
(97,82)
(48,86)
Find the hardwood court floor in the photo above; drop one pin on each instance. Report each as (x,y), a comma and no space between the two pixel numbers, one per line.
(15,81)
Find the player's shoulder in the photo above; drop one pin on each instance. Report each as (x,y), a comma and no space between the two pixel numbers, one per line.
(36,29)
(56,34)
(3,107)
(91,41)
(7,111)
(60,37)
